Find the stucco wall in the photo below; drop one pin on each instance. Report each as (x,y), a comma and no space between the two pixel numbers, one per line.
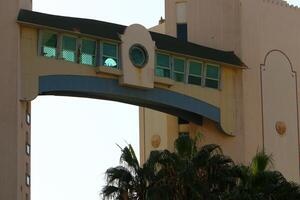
(274,26)
(252,29)
(12,116)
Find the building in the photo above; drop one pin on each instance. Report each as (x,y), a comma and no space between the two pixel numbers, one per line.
(225,68)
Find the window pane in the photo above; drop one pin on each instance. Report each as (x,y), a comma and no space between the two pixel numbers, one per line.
(162,72)
(195,80)
(69,48)
(87,59)
(110,62)
(195,68)
(49,52)
(69,55)
(212,71)
(49,39)
(179,77)
(88,51)
(179,65)
(212,83)
(69,43)
(88,47)
(163,60)
(49,44)
(110,50)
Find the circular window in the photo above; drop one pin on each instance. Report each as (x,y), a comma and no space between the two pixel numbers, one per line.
(138,55)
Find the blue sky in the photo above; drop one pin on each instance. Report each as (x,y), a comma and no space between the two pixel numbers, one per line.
(74,139)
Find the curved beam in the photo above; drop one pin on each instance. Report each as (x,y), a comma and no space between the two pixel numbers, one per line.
(166,101)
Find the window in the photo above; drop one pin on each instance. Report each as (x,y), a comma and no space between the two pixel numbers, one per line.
(163,65)
(88,52)
(182,32)
(49,44)
(69,48)
(195,73)
(28,149)
(27,181)
(212,76)
(179,69)
(138,55)
(110,55)
(181,20)
(28,119)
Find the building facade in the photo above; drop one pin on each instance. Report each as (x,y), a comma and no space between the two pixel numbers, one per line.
(227,69)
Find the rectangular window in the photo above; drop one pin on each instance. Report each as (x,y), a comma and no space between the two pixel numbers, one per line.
(69,48)
(212,76)
(88,52)
(182,32)
(163,65)
(182,27)
(195,73)
(110,55)
(49,44)
(178,69)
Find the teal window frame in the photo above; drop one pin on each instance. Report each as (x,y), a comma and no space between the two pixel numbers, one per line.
(82,53)
(193,75)
(175,72)
(75,51)
(161,67)
(214,79)
(43,46)
(106,56)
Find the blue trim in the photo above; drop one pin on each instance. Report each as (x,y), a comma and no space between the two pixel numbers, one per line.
(102,88)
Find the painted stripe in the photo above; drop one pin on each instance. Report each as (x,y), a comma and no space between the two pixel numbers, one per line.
(109,89)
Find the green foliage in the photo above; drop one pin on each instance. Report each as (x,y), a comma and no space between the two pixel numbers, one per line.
(192,173)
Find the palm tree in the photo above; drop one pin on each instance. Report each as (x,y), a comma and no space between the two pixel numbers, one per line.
(258,182)
(125,182)
(189,172)
(192,173)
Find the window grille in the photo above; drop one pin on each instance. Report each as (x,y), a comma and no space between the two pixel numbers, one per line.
(88,52)
(49,44)
(69,48)
(179,69)
(212,76)
(163,65)
(195,73)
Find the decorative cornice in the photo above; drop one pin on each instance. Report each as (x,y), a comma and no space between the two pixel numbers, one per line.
(281,3)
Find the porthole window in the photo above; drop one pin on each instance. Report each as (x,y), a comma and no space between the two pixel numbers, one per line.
(138,55)
(110,55)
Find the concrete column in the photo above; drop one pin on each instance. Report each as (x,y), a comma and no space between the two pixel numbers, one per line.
(13,124)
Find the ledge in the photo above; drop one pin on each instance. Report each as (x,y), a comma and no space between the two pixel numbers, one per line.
(108,70)
(163,81)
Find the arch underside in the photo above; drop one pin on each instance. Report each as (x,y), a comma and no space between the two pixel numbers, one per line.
(173,103)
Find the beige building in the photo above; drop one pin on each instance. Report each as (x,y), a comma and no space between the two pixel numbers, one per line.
(223,68)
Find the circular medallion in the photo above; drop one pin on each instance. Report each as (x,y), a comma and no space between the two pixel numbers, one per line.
(155,141)
(280,127)
(138,55)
